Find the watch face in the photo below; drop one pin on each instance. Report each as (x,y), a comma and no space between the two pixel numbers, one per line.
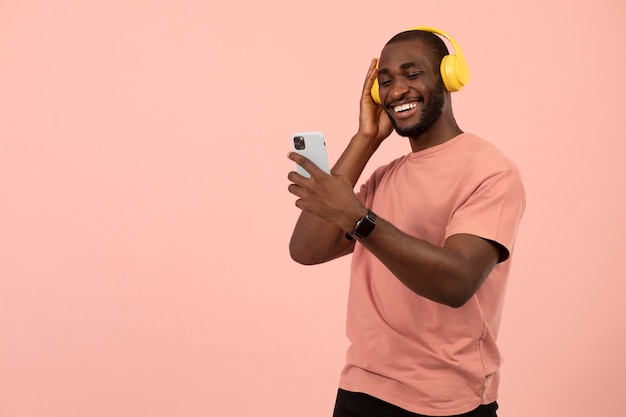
(365,226)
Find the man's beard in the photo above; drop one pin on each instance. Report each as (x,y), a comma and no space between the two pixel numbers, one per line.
(428,116)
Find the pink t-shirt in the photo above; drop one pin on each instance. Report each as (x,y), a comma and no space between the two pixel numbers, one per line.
(420,355)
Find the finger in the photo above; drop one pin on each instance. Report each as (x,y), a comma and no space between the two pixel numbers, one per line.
(373,71)
(305,163)
(294,177)
(297,158)
(295,190)
(373,64)
(372,74)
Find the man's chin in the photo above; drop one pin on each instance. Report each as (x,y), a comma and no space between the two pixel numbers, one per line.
(405,130)
(409,131)
(400,130)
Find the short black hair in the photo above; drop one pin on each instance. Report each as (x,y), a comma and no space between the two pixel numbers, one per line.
(436,48)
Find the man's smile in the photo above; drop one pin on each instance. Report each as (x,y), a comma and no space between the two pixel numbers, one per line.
(406,110)
(404,107)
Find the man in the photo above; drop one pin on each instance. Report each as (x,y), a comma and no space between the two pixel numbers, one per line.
(431,235)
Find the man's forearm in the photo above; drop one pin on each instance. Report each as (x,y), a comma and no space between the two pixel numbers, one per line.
(449,275)
(355,157)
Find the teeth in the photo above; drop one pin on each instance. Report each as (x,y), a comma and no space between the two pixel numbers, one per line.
(405,107)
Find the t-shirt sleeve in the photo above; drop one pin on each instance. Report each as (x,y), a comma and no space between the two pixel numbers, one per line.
(493,211)
(366,191)
(362,193)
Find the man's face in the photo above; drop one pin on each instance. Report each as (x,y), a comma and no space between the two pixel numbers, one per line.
(411,92)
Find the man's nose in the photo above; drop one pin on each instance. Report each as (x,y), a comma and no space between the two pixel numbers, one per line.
(398,89)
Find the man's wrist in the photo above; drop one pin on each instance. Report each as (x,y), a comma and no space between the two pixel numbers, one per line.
(363,227)
(368,140)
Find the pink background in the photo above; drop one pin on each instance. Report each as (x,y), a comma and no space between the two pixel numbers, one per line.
(144,216)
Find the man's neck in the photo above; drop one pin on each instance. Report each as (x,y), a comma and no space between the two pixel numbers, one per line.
(439,133)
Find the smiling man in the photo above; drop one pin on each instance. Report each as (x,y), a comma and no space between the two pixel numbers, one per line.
(402,109)
(431,234)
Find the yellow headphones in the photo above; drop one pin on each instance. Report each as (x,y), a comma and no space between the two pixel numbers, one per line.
(454,70)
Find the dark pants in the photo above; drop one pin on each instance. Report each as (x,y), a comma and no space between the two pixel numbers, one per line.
(356,404)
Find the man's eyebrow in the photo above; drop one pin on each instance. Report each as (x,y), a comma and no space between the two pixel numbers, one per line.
(409,65)
(404,66)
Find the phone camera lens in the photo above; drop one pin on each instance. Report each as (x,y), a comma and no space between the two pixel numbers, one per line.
(298,142)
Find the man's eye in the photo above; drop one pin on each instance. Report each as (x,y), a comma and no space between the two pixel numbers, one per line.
(413,75)
(384,82)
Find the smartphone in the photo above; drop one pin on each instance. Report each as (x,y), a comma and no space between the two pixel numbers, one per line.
(313,146)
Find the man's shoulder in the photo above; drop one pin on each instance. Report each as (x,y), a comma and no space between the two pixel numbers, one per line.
(484,154)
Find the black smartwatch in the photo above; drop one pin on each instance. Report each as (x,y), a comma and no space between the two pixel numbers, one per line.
(363,227)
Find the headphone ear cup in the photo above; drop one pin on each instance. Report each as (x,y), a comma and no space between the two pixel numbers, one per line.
(375,92)
(447,73)
(454,73)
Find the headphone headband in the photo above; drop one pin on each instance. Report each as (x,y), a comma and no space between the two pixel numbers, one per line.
(457,49)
